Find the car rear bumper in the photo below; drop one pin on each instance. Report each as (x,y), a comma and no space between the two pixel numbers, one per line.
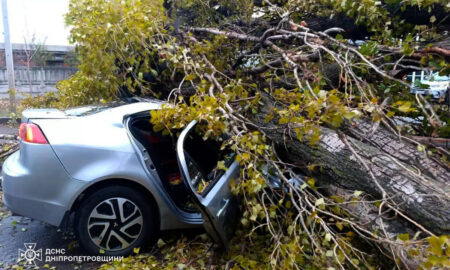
(36,185)
(49,213)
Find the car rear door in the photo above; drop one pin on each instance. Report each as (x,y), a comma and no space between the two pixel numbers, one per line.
(218,206)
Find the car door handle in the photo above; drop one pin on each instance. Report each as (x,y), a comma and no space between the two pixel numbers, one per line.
(225,203)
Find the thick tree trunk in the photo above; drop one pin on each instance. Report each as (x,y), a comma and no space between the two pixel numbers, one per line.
(375,162)
(369,218)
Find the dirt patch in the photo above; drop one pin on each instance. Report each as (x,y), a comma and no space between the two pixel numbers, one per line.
(4,108)
(3,211)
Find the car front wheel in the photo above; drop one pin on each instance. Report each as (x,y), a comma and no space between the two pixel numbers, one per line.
(115,220)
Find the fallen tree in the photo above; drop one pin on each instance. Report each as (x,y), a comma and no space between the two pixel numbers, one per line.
(304,101)
(378,162)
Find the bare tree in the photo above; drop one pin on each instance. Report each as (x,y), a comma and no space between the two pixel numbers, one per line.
(36,55)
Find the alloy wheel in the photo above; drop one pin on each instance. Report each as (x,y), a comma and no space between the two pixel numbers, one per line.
(115,224)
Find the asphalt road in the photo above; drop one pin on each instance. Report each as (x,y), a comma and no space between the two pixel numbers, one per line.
(9,129)
(16,231)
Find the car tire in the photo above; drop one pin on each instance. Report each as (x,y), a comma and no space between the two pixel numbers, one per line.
(114,220)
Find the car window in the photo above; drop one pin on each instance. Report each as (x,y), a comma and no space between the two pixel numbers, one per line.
(86,110)
(203,158)
(92,109)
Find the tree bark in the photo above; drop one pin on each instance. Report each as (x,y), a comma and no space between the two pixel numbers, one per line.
(369,218)
(373,161)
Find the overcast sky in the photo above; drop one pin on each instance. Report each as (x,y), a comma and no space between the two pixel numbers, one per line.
(43,18)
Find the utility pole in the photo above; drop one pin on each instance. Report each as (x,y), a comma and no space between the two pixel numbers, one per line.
(9,59)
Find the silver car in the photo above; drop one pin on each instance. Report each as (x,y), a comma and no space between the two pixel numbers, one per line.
(104,171)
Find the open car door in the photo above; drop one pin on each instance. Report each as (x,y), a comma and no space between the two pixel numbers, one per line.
(210,188)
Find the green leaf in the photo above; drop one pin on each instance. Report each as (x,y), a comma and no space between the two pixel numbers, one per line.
(435,245)
(221,165)
(432,19)
(190,77)
(420,147)
(288,204)
(319,202)
(349,115)
(327,237)
(407,50)
(244,221)
(405,107)
(409,38)
(369,48)
(311,182)
(403,237)
(160,243)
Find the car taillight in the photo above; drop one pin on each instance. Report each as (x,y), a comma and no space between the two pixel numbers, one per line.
(31,133)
